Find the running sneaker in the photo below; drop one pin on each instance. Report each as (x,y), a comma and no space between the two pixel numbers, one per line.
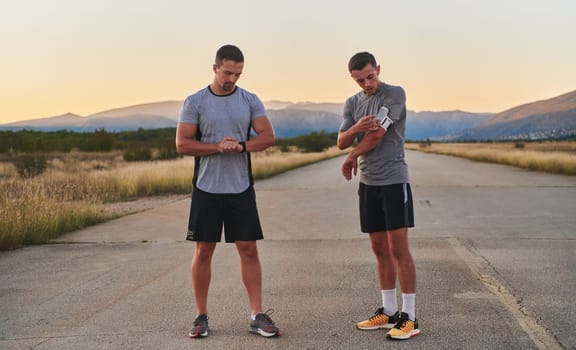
(379,320)
(404,329)
(264,325)
(199,327)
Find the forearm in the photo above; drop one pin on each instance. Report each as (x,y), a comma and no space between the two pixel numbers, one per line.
(261,141)
(191,147)
(367,124)
(368,143)
(346,138)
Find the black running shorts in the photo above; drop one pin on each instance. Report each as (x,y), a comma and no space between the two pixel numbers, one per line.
(385,208)
(236,213)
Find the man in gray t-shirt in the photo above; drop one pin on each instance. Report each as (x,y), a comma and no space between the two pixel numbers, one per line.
(376,118)
(214,127)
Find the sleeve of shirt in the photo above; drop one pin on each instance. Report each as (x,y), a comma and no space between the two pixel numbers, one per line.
(256,107)
(398,107)
(189,113)
(348,118)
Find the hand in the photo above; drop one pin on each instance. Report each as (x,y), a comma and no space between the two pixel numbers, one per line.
(229,145)
(349,167)
(366,123)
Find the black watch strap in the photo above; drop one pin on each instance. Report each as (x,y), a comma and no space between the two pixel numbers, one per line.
(243,146)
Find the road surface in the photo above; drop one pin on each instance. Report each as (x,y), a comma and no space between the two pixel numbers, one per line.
(493,246)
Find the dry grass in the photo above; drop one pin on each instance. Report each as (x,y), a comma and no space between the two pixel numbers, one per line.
(553,157)
(273,162)
(72,192)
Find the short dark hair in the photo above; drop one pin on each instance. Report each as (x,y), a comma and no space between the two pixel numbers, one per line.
(229,52)
(360,60)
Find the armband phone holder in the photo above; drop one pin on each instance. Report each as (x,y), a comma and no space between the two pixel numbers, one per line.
(382,116)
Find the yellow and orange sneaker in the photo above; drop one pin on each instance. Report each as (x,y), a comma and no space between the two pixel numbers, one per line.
(379,320)
(404,328)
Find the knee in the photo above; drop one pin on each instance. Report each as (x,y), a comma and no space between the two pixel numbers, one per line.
(204,252)
(381,252)
(401,255)
(248,250)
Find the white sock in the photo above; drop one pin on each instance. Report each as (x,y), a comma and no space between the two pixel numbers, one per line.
(409,305)
(389,301)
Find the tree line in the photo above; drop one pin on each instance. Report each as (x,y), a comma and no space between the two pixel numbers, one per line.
(28,149)
(26,141)
(162,140)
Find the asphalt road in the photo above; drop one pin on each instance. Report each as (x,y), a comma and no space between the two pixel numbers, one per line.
(493,246)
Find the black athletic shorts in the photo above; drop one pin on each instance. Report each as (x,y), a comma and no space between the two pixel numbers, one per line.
(385,208)
(237,213)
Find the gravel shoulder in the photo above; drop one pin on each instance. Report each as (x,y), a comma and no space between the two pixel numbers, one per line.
(119,209)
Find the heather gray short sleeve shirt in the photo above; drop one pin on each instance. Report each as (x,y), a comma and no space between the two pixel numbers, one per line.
(218,117)
(385,164)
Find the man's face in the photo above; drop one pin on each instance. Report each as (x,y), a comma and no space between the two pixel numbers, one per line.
(367,78)
(227,74)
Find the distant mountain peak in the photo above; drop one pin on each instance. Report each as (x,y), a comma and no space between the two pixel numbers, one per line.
(552,105)
(551,118)
(69,115)
(58,120)
(170,109)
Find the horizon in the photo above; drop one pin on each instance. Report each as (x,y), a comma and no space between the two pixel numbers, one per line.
(265,102)
(83,58)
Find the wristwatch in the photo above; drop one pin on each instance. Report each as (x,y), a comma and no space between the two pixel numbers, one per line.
(243,144)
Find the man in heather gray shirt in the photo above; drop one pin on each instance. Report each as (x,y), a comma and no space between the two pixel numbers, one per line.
(376,118)
(214,127)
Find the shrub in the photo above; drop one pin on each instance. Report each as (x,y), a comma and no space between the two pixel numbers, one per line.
(165,153)
(313,142)
(30,164)
(137,154)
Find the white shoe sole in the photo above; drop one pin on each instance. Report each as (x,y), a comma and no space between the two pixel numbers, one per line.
(386,326)
(406,336)
(262,333)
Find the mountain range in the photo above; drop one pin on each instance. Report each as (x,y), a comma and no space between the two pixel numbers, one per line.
(552,118)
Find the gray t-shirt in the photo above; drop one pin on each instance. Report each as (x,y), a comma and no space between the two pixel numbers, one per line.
(385,164)
(218,117)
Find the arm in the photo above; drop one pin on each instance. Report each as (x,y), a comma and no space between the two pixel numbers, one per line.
(186,143)
(365,124)
(350,165)
(368,143)
(264,135)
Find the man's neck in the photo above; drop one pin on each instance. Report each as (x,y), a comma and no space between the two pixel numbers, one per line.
(217,90)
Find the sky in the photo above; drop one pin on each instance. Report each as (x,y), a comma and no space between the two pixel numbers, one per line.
(84,57)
